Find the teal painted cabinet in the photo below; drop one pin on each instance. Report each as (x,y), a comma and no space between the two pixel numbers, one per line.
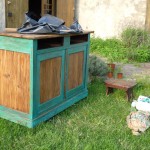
(76,70)
(41,75)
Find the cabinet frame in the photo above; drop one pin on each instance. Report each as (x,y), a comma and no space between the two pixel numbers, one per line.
(59,99)
(29,45)
(80,88)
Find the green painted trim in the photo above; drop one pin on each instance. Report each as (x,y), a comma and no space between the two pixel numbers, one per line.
(78,45)
(33,76)
(66,42)
(76,49)
(84,68)
(60,98)
(69,93)
(54,102)
(87,60)
(50,55)
(75,91)
(41,112)
(54,49)
(17,118)
(15,112)
(59,108)
(49,50)
(16,44)
(50,104)
(66,74)
(66,45)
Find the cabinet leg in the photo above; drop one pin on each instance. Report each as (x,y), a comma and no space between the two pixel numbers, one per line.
(129,94)
(109,90)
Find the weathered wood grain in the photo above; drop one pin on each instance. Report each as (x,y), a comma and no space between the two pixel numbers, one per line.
(18,9)
(50,79)
(15,80)
(36,82)
(65,10)
(75,77)
(147,22)
(37,36)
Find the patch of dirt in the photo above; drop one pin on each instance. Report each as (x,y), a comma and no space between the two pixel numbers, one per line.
(133,71)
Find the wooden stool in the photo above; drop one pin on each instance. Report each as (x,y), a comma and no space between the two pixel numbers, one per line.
(125,85)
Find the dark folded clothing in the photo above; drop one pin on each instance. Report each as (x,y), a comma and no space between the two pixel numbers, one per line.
(48,24)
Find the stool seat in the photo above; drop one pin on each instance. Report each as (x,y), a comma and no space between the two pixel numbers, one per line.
(125,85)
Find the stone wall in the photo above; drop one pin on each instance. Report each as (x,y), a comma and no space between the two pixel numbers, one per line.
(2,14)
(109,17)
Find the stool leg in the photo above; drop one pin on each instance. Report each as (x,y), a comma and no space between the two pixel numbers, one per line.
(109,90)
(129,94)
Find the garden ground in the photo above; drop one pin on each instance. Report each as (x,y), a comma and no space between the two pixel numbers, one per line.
(95,123)
(138,70)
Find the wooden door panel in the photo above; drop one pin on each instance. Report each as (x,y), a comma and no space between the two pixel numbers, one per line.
(50,79)
(65,11)
(15,80)
(75,75)
(15,12)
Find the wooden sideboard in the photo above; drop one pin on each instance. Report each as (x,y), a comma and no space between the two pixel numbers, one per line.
(41,75)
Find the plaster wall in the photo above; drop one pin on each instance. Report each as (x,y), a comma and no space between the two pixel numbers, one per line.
(2,14)
(109,17)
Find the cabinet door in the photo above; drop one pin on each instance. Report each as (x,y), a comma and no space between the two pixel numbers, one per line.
(50,88)
(65,11)
(76,70)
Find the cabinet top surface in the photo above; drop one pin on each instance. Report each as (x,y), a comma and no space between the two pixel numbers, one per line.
(38,36)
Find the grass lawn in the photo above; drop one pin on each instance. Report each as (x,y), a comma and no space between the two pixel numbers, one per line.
(95,123)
